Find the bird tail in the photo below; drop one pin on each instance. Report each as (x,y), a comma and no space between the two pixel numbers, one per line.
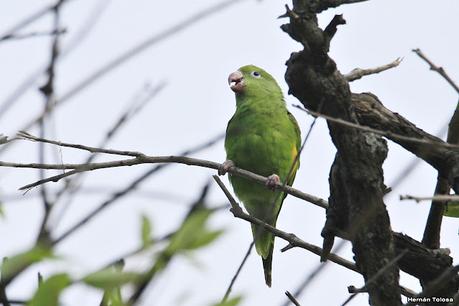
(264,244)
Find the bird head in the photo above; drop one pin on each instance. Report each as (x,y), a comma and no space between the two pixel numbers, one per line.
(251,80)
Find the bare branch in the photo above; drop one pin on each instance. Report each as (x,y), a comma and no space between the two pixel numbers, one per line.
(132,186)
(238,271)
(131,53)
(437,69)
(387,134)
(292,298)
(73,185)
(292,239)
(75,41)
(28,20)
(48,91)
(436,198)
(33,34)
(358,73)
(27,136)
(374,277)
(143,159)
(408,169)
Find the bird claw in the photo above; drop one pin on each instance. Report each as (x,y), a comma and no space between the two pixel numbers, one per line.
(225,167)
(272,181)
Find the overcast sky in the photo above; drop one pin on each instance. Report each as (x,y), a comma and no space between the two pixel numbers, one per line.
(195,106)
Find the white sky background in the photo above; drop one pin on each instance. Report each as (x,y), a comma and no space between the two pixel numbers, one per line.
(194,107)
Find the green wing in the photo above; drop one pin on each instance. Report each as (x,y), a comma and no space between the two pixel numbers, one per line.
(298,146)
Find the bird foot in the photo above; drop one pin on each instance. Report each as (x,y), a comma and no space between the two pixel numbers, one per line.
(225,167)
(272,181)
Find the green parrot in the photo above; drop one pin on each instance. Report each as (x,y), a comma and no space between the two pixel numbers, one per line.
(264,138)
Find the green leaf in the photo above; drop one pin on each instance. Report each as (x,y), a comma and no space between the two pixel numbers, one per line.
(231,302)
(193,233)
(15,264)
(111,278)
(452,210)
(48,292)
(205,238)
(146,232)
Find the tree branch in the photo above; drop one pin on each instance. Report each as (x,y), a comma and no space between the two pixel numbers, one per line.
(431,237)
(33,34)
(292,298)
(143,159)
(27,136)
(436,198)
(292,239)
(437,69)
(356,181)
(130,53)
(444,157)
(358,73)
(238,271)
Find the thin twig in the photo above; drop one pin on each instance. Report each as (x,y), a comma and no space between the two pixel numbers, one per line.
(431,236)
(378,132)
(238,271)
(28,20)
(26,136)
(72,46)
(49,94)
(437,198)
(409,168)
(358,73)
(437,69)
(33,34)
(291,238)
(77,168)
(73,185)
(375,276)
(292,298)
(312,275)
(132,186)
(130,54)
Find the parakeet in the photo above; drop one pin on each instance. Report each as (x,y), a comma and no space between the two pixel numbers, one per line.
(264,138)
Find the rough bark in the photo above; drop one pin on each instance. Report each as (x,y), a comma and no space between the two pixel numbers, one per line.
(357,179)
(371,112)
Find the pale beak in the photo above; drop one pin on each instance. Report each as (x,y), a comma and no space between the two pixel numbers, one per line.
(236,81)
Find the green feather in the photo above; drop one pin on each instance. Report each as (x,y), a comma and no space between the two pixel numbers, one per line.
(262,137)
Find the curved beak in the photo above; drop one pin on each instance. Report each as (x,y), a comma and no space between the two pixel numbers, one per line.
(236,81)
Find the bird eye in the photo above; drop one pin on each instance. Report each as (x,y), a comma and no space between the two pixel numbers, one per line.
(256,74)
